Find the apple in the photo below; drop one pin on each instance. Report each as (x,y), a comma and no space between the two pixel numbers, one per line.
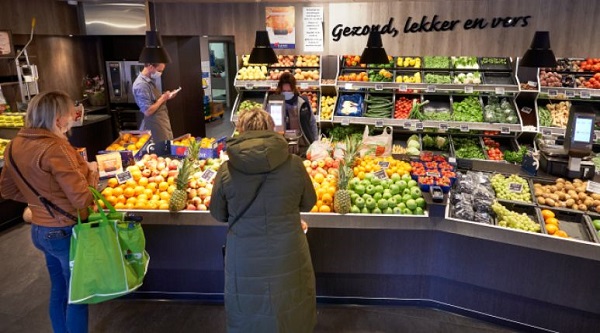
(314,164)
(202,207)
(155,172)
(161,166)
(164,173)
(172,173)
(197,201)
(152,179)
(207,201)
(321,163)
(355,210)
(306,163)
(359,202)
(191,207)
(192,193)
(173,165)
(159,179)
(146,173)
(365,210)
(203,192)
(153,156)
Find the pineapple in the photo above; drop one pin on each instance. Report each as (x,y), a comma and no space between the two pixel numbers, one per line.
(341,200)
(179,196)
(193,150)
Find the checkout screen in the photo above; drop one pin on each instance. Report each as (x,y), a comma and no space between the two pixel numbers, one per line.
(277,114)
(583,130)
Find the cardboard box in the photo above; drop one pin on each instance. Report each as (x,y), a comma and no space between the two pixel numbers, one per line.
(215,149)
(217,109)
(179,150)
(129,156)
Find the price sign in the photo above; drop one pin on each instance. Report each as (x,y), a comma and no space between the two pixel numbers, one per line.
(515,187)
(380,174)
(379,123)
(570,93)
(249,85)
(595,136)
(505,130)
(303,85)
(379,86)
(432,174)
(123,177)
(468,89)
(345,121)
(532,83)
(407,124)
(500,91)
(464,128)
(443,127)
(384,164)
(430,89)
(526,109)
(273,85)
(553,93)
(348,85)
(419,126)
(208,175)
(546,132)
(585,94)
(593,187)
(403,87)
(452,160)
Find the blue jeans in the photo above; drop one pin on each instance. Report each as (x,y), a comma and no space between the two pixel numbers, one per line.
(55,243)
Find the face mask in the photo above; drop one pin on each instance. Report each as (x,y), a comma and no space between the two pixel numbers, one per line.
(156,75)
(288,95)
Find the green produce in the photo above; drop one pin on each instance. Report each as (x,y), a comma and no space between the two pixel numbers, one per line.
(380,75)
(437,78)
(497,111)
(467,78)
(465,62)
(468,148)
(545,116)
(249,105)
(398,195)
(596,224)
(494,61)
(439,143)
(415,112)
(510,219)
(468,110)
(512,188)
(339,133)
(439,114)
(436,62)
(515,156)
(413,145)
(379,107)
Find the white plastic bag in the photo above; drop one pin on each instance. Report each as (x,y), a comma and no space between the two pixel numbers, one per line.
(318,150)
(377,145)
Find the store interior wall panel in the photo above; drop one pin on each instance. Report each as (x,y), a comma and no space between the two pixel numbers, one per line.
(193,94)
(52,17)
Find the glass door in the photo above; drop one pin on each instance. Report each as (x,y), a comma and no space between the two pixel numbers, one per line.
(219,71)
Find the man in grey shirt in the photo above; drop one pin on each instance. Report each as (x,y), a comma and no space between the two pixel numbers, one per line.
(153,103)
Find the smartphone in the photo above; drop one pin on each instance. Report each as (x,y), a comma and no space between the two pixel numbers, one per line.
(437,195)
(174,92)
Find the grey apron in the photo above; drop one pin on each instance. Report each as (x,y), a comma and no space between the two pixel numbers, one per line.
(158,123)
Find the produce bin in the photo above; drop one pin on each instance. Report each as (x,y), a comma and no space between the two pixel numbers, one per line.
(258,97)
(596,233)
(486,64)
(356,72)
(497,110)
(401,140)
(459,141)
(531,211)
(404,113)
(434,77)
(128,157)
(357,98)
(428,61)
(506,143)
(407,76)
(591,209)
(498,78)
(376,99)
(409,66)
(439,108)
(446,151)
(575,224)
(518,202)
(470,117)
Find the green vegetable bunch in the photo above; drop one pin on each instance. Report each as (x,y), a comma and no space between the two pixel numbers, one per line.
(468,148)
(545,116)
(468,110)
(437,78)
(515,156)
(436,62)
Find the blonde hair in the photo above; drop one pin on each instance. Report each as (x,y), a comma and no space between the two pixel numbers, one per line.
(45,108)
(255,119)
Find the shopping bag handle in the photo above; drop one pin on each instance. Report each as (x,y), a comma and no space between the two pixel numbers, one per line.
(99,197)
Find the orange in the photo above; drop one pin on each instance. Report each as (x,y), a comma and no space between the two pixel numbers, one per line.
(152,186)
(121,198)
(331,190)
(163,186)
(112,199)
(551,229)
(314,209)
(139,190)
(320,192)
(129,205)
(361,175)
(546,213)
(552,220)
(143,181)
(112,182)
(319,178)
(163,205)
(561,233)
(131,183)
(171,189)
(117,191)
(131,200)
(327,199)
(136,175)
(129,192)
(164,195)
(142,197)
(171,180)
(325,209)
(119,205)
(148,192)
(107,192)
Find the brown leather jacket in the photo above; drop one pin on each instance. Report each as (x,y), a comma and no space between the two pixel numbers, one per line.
(55,169)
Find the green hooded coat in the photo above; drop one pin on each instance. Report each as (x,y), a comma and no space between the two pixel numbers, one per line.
(269,277)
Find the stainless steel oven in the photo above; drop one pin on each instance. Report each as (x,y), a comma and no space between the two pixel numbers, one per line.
(120,76)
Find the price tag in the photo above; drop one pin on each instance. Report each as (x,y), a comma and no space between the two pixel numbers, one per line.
(380,174)
(515,187)
(419,126)
(348,85)
(403,87)
(585,94)
(249,85)
(443,127)
(546,132)
(407,124)
(532,83)
(570,93)
(430,89)
(379,86)
(526,109)
(505,130)
(432,174)
(452,160)
(500,91)
(303,85)
(273,85)
(464,128)
(593,187)
(123,177)
(208,175)
(384,164)
(553,93)
(468,89)
(595,137)
(379,123)
(345,121)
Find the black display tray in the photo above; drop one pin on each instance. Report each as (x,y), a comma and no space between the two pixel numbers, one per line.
(488,66)
(575,225)
(498,78)
(531,211)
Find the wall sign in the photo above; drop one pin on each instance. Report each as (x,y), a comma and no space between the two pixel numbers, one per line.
(6,44)
(281,25)
(431,24)
(313,29)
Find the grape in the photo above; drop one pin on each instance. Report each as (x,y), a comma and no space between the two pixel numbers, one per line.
(500,184)
(510,219)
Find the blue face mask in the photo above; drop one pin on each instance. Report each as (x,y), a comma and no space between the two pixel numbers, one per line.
(287,95)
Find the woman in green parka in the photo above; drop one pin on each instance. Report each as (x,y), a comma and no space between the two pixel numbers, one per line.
(260,192)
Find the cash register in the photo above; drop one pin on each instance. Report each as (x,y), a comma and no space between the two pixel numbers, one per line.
(276,108)
(573,158)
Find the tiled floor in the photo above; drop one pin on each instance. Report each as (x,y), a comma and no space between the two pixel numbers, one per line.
(24,290)
(220,127)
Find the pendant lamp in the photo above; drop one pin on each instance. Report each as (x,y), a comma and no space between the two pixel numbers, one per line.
(262,53)
(153,52)
(539,53)
(374,53)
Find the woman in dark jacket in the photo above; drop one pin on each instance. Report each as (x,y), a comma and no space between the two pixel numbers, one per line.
(299,115)
(269,278)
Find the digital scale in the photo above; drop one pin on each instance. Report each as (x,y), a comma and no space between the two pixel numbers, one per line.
(573,158)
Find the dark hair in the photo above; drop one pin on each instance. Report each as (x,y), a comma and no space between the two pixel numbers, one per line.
(289,79)
(151,64)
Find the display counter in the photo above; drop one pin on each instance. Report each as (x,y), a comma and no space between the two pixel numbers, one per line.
(515,278)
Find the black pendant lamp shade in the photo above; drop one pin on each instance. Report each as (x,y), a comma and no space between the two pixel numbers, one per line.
(539,53)
(374,53)
(153,52)
(262,53)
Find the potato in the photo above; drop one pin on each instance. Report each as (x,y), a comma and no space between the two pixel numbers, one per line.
(588,202)
(553,188)
(560,186)
(563,204)
(550,202)
(546,195)
(538,192)
(573,193)
(570,202)
(596,203)
(561,196)
(576,181)
(537,185)
(560,180)
(542,200)
(567,197)
(595,196)
(582,195)
(569,187)
(582,207)
(598,208)
(554,196)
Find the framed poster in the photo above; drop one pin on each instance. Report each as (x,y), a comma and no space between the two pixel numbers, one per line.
(281,25)
(7,49)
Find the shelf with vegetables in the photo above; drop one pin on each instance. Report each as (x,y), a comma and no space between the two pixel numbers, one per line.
(573,78)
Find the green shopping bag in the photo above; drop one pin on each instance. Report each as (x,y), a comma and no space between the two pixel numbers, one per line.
(107,257)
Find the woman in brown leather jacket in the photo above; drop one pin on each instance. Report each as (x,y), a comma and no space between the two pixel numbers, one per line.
(53,168)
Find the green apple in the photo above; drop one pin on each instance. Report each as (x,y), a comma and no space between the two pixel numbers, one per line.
(377,196)
(366,196)
(395,189)
(411,204)
(407,211)
(370,203)
(382,204)
(415,192)
(388,210)
(376,211)
(353,196)
(360,202)
(392,202)
(596,224)
(359,189)
(420,202)
(369,176)
(387,195)
(397,210)
(370,189)
(365,210)
(406,177)
(354,182)
(379,188)
(398,197)
(395,177)
(385,184)
(401,205)
(402,184)
(419,211)
(406,197)
(406,191)
(376,181)
(412,183)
